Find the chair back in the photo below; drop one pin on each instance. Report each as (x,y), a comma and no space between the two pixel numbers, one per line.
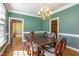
(31,46)
(60,46)
(45,35)
(26,37)
(32,33)
(52,36)
(64,44)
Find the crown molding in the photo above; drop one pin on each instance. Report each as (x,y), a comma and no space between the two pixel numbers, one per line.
(54,12)
(63,8)
(18,12)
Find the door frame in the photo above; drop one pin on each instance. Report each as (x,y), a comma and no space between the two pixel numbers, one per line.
(57,18)
(22,27)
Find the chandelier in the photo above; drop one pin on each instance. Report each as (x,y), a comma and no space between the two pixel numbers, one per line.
(45,13)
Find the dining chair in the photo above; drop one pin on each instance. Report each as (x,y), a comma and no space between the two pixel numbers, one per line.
(58,50)
(32,33)
(26,43)
(64,45)
(31,47)
(45,35)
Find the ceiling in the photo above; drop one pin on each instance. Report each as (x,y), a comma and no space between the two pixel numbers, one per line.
(32,8)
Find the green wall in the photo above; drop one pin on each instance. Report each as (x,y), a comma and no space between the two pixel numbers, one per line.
(45,25)
(68,20)
(68,23)
(30,23)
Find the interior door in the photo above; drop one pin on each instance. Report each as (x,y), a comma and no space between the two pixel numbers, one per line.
(54,27)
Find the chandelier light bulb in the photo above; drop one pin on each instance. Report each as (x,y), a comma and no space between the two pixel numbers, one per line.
(39,13)
(50,12)
(47,9)
(41,10)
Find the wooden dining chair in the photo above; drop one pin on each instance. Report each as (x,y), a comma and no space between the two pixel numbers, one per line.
(27,44)
(31,47)
(45,35)
(64,45)
(58,50)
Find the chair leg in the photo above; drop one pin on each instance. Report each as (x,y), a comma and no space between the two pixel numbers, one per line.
(40,51)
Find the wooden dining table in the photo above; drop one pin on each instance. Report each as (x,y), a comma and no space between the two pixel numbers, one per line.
(41,42)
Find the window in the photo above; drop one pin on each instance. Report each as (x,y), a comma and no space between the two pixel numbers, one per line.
(2,26)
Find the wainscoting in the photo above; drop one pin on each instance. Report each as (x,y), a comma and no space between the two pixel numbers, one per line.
(69,51)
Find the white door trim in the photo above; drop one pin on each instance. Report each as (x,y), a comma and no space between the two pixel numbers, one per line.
(22,27)
(57,18)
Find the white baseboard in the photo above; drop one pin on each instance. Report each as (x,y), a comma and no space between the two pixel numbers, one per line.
(73,48)
(2,43)
(70,35)
(3,49)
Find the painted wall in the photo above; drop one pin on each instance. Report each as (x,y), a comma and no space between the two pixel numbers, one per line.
(68,23)
(30,23)
(71,41)
(45,25)
(68,19)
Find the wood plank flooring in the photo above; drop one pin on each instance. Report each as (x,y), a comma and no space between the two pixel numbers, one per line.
(17,45)
(70,52)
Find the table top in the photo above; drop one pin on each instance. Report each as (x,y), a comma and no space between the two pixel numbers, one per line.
(44,41)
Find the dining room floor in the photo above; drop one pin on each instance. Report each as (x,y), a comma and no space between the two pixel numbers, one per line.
(17,48)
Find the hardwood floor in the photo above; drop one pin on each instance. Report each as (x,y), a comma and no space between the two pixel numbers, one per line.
(17,46)
(70,52)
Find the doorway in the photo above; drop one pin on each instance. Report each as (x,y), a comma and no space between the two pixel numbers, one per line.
(15,28)
(54,26)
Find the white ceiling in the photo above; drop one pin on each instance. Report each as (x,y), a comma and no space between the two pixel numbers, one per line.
(32,8)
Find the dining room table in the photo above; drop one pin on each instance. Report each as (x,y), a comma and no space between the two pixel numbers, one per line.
(41,42)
